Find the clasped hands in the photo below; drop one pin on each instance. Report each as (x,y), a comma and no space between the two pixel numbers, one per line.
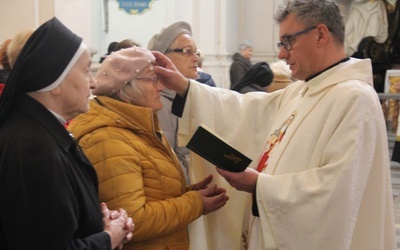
(118,225)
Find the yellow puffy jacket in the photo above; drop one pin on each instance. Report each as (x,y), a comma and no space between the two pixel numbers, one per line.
(138,171)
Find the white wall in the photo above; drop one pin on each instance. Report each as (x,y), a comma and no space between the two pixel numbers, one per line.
(19,15)
(218,25)
(78,16)
(218,28)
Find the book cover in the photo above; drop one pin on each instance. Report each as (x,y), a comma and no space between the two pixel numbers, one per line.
(215,150)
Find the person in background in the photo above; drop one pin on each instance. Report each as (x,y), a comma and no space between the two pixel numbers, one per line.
(4,65)
(282,76)
(177,43)
(110,49)
(257,78)
(127,43)
(16,44)
(203,77)
(10,52)
(48,188)
(136,167)
(115,46)
(322,177)
(241,62)
(200,61)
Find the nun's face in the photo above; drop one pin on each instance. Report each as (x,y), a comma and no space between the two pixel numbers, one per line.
(75,89)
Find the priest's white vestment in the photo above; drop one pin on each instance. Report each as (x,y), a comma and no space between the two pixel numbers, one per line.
(327,184)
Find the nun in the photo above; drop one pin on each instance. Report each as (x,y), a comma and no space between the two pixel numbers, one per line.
(48,188)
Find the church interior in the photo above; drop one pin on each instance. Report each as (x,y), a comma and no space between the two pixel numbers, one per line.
(219,26)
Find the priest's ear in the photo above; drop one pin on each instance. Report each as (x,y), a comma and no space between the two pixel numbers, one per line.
(323,34)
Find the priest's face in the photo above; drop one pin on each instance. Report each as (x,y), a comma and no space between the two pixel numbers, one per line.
(300,52)
(76,88)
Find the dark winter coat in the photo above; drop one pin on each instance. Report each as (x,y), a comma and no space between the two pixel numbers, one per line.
(205,78)
(239,67)
(48,188)
(257,78)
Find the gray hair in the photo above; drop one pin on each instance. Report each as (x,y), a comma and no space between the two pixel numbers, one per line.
(245,44)
(314,12)
(137,90)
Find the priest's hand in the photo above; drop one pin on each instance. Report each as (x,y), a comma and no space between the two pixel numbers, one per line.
(169,75)
(243,181)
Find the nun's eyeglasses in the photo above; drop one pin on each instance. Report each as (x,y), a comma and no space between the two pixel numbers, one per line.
(153,79)
(286,39)
(186,51)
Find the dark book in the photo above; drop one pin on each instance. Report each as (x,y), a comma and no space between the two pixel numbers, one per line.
(215,150)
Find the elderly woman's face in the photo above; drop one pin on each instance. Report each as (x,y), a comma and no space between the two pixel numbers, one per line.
(76,87)
(185,62)
(145,89)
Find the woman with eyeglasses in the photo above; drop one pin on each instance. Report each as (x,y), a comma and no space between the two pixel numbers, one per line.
(177,43)
(136,167)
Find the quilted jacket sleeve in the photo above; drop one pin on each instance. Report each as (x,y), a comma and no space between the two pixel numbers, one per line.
(143,180)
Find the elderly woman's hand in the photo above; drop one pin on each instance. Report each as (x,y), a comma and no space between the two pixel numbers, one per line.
(213,198)
(203,183)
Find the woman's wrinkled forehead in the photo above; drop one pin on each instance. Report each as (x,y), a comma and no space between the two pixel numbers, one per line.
(184,40)
(148,70)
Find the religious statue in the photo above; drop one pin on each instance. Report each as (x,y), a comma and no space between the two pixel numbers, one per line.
(364,18)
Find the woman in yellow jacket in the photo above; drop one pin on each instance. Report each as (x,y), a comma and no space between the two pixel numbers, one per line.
(136,168)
